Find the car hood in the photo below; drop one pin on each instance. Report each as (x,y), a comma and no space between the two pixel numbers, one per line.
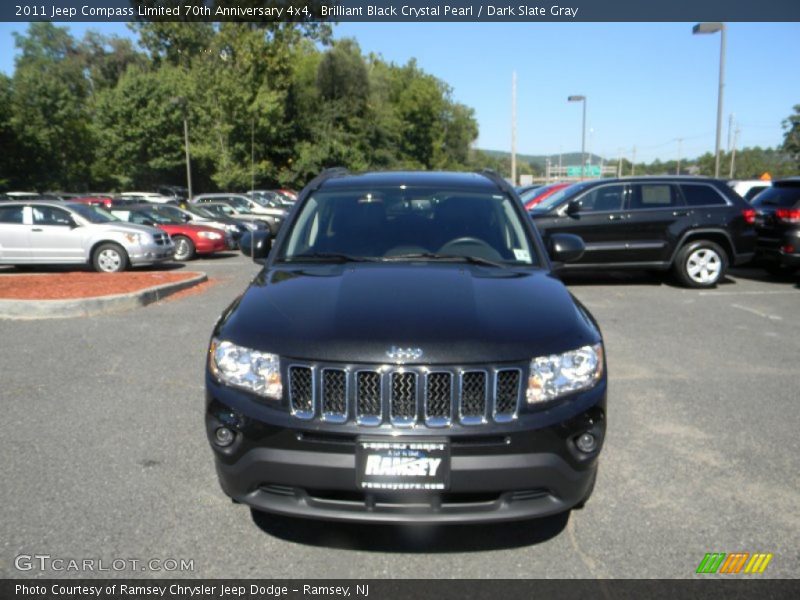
(454,313)
(124,227)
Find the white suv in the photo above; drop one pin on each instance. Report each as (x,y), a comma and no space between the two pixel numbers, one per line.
(39,233)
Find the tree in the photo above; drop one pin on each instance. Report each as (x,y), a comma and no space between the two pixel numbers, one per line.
(49,110)
(791,138)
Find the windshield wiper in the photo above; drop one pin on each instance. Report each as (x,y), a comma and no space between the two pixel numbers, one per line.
(327,257)
(475,260)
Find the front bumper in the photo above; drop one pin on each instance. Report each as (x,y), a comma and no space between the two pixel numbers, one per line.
(209,246)
(148,254)
(498,472)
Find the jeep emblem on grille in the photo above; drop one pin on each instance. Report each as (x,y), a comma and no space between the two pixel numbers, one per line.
(403,354)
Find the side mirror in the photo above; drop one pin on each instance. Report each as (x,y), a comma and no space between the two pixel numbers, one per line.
(256,244)
(573,207)
(565,247)
(149,222)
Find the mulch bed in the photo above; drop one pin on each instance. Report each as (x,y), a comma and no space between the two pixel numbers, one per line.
(70,285)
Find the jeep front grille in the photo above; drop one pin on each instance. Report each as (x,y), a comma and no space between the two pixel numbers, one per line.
(404,396)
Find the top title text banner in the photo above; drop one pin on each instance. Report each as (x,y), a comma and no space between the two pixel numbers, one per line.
(407,11)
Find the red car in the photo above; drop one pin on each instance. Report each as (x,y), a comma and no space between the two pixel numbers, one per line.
(190,240)
(104,201)
(532,197)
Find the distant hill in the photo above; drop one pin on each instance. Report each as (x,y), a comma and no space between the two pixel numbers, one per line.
(567,158)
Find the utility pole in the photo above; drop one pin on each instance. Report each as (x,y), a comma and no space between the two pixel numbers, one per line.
(730,130)
(633,162)
(252,155)
(733,151)
(514,128)
(188,157)
(678,168)
(547,170)
(560,173)
(619,162)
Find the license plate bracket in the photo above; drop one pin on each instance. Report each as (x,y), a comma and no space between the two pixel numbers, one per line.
(395,465)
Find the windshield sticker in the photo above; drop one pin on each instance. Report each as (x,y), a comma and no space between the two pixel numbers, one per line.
(521,254)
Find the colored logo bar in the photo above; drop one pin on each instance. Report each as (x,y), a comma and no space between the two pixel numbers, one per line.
(736,562)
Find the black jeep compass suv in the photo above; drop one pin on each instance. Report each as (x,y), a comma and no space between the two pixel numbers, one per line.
(406,355)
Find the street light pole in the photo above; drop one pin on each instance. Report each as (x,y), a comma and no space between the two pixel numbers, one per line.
(702,28)
(583,132)
(180,101)
(188,157)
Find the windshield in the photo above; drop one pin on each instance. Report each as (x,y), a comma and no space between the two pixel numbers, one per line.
(556,198)
(784,196)
(267,199)
(154,216)
(200,211)
(221,210)
(240,204)
(93,214)
(409,223)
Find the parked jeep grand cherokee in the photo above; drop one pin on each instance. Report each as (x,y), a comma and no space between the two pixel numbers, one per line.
(406,355)
(693,225)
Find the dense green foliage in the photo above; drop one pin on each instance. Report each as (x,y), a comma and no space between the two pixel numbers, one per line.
(266,104)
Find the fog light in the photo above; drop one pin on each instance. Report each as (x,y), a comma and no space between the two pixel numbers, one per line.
(586,443)
(223,436)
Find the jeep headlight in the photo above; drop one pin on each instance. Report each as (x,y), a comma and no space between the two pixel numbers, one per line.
(559,374)
(251,370)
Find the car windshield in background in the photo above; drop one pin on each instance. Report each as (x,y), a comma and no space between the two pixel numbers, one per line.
(412,224)
(556,198)
(268,201)
(200,211)
(171,212)
(155,217)
(781,196)
(92,213)
(238,203)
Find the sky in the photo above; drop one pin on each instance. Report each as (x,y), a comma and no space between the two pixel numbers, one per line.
(647,84)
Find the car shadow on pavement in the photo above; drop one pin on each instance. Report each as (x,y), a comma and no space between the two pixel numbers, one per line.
(616,278)
(759,274)
(218,255)
(651,278)
(411,538)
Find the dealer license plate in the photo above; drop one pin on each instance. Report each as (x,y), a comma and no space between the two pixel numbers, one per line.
(398,466)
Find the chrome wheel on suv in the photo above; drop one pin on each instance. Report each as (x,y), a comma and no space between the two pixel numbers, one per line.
(110,258)
(701,264)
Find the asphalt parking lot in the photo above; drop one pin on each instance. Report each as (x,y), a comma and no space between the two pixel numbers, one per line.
(105,456)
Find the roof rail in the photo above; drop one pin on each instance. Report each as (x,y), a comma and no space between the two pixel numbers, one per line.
(494,176)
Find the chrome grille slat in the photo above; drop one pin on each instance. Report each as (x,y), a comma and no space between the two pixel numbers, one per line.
(438,398)
(506,394)
(334,395)
(405,395)
(369,405)
(301,391)
(473,397)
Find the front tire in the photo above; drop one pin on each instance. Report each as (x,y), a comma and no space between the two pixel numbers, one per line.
(701,264)
(109,258)
(184,248)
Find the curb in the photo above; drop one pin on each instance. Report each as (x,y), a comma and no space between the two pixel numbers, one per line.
(97,305)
